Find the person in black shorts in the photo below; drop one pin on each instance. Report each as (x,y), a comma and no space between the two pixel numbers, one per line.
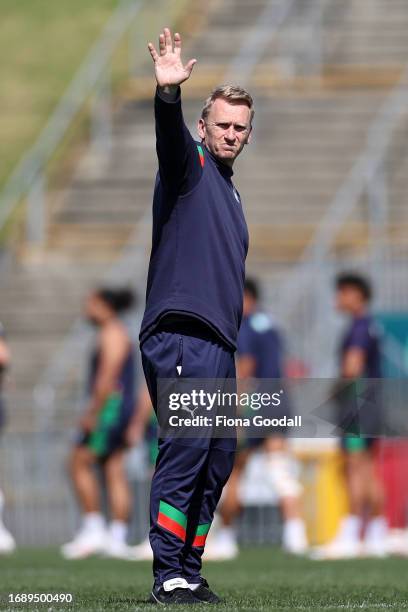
(102,438)
(260,356)
(7,542)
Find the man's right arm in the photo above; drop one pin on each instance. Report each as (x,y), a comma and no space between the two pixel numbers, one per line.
(179,163)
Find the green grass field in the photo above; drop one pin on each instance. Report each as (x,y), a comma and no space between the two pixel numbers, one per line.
(260,579)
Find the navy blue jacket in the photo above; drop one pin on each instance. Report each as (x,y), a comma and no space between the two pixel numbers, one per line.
(200,237)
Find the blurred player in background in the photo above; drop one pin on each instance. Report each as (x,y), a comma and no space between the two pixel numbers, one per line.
(7,543)
(360,357)
(260,355)
(103,430)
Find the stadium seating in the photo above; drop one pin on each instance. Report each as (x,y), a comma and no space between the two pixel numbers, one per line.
(309,128)
(307,136)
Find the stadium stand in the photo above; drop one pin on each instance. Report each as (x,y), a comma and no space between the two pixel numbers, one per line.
(314,106)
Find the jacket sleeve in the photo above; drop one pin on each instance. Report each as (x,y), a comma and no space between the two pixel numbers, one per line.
(179,162)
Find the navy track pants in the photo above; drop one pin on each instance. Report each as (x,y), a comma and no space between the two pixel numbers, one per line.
(190,473)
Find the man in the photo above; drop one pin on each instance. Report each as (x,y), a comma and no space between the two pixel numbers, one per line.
(260,355)
(7,543)
(360,358)
(102,436)
(193,308)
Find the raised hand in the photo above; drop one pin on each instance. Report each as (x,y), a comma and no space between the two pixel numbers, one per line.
(168,67)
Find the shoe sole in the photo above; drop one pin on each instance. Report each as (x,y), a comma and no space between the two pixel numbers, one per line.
(153,599)
(208,603)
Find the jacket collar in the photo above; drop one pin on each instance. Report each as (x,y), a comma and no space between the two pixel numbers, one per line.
(225,170)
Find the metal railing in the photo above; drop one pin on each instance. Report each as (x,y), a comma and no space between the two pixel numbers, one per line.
(132,263)
(91,81)
(302,49)
(310,280)
(266,27)
(40,506)
(131,266)
(294,57)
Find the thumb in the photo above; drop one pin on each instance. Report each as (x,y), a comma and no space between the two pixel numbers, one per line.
(189,66)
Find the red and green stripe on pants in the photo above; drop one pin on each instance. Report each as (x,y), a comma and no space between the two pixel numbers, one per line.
(176,522)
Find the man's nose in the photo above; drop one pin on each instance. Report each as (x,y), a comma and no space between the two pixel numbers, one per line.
(230,133)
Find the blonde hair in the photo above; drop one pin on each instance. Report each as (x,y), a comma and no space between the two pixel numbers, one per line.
(232,94)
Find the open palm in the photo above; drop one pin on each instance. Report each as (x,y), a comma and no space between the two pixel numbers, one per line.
(168,67)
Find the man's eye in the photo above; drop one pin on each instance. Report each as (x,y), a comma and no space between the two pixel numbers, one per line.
(240,128)
(223,126)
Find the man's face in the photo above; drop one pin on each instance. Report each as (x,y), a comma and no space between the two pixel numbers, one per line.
(96,311)
(226,130)
(349,300)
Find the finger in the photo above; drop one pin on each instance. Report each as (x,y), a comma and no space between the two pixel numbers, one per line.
(169,44)
(153,52)
(177,43)
(162,45)
(190,65)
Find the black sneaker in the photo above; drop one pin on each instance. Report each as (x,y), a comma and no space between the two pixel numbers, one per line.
(176,596)
(204,594)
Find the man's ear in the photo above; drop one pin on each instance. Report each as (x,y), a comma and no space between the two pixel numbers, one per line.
(248,140)
(201,128)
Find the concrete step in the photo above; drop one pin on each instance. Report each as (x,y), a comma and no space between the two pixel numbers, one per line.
(99,242)
(304,144)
